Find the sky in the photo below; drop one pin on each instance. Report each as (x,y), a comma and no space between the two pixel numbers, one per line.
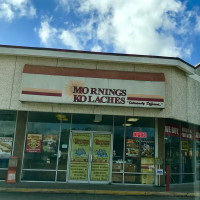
(144,27)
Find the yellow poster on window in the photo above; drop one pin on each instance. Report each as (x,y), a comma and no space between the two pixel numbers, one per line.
(184,146)
(100,157)
(79,157)
(147,166)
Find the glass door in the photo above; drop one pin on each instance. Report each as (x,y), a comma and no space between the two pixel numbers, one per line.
(90,157)
(100,162)
(79,157)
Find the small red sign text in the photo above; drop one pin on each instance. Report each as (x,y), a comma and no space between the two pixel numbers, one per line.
(140,134)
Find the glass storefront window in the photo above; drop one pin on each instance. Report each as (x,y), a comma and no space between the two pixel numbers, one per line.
(39,175)
(47,143)
(92,122)
(197,159)
(41,146)
(7,130)
(118,149)
(187,153)
(172,149)
(46,146)
(179,150)
(133,150)
(140,149)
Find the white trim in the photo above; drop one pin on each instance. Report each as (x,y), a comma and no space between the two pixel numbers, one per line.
(195,77)
(17,51)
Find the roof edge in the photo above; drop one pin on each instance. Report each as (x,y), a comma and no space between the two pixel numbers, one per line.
(197,66)
(117,57)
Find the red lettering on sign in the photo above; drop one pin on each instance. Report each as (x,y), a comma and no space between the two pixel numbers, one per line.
(140,134)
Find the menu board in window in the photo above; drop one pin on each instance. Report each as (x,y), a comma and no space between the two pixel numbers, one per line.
(5,147)
(49,143)
(147,149)
(33,143)
(132,148)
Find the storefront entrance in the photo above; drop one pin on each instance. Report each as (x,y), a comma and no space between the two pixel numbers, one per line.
(90,157)
(57,149)
(77,148)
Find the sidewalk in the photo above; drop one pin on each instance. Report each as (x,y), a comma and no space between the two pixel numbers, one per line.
(113,189)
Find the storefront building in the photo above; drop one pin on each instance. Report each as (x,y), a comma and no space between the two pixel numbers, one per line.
(88,117)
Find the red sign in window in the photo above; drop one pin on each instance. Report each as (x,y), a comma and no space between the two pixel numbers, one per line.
(140,134)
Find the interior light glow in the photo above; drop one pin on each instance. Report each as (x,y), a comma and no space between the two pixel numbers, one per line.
(61,117)
(126,124)
(131,119)
(97,118)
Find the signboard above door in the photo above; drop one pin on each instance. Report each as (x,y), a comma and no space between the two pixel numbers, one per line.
(92,87)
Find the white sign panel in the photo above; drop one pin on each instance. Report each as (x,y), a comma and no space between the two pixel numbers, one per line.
(92,91)
(159,171)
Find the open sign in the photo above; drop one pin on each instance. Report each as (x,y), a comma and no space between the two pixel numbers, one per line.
(140,134)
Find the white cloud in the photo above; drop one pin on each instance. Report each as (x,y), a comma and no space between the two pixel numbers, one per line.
(197,27)
(47,33)
(68,5)
(188,51)
(6,11)
(96,48)
(69,39)
(64,4)
(9,9)
(50,36)
(102,6)
(133,26)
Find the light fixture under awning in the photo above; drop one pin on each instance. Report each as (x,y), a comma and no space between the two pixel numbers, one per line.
(132,119)
(61,117)
(97,118)
(126,124)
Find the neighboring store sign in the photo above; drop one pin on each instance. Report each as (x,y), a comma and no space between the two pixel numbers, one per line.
(100,157)
(79,156)
(5,147)
(184,146)
(140,134)
(92,87)
(172,130)
(33,143)
(187,133)
(197,135)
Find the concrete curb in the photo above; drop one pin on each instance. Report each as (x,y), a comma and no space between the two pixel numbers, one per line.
(105,192)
